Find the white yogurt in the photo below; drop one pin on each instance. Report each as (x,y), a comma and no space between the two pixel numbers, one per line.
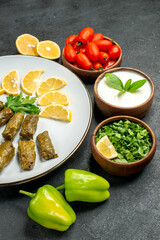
(124,99)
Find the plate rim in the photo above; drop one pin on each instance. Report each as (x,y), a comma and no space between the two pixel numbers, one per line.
(77,146)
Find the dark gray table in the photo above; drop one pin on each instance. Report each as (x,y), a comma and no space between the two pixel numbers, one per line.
(133,210)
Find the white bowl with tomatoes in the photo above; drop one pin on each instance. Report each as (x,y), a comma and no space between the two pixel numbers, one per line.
(88,54)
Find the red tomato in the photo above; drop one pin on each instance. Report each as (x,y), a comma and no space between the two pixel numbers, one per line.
(97,36)
(97,66)
(92,51)
(83,50)
(75,64)
(77,46)
(104,45)
(114,52)
(86,35)
(110,63)
(103,57)
(70,53)
(71,40)
(83,61)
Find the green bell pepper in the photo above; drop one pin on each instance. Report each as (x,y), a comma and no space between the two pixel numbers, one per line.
(49,208)
(84,186)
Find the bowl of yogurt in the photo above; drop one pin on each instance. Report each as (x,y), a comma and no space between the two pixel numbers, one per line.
(125,98)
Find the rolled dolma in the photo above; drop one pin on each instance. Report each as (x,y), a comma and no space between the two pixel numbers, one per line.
(27,154)
(7,152)
(29,126)
(1,105)
(5,115)
(45,146)
(13,126)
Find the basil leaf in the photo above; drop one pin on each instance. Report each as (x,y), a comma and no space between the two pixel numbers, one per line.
(136,85)
(113,81)
(127,84)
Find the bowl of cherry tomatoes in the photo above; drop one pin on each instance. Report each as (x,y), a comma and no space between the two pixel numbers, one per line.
(89,54)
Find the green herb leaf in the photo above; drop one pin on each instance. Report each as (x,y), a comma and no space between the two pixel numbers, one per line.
(28,100)
(131,140)
(20,104)
(127,84)
(113,81)
(136,85)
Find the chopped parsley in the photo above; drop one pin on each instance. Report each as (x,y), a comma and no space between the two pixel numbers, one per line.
(131,140)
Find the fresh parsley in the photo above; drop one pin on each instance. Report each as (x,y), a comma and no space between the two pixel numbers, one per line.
(21,104)
(115,82)
(131,140)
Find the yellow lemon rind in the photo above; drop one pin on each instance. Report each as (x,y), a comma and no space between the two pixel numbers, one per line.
(18,47)
(66,119)
(65,103)
(51,89)
(106,146)
(22,81)
(2,91)
(43,55)
(14,93)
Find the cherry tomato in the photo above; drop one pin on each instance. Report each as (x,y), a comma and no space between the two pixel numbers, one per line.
(70,53)
(75,64)
(83,50)
(71,40)
(114,52)
(103,57)
(97,36)
(86,35)
(77,46)
(83,61)
(110,63)
(92,51)
(97,66)
(104,45)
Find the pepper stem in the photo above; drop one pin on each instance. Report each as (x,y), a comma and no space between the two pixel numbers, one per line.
(29,194)
(60,187)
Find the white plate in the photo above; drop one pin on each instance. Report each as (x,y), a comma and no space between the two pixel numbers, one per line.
(66,136)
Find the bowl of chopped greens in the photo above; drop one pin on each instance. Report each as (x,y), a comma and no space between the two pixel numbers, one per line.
(124,91)
(123,145)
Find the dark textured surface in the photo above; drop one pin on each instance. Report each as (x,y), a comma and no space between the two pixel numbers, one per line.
(133,210)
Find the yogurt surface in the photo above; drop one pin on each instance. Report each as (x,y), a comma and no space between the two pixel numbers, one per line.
(124,99)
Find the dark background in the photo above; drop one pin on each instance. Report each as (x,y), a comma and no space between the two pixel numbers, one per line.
(133,210)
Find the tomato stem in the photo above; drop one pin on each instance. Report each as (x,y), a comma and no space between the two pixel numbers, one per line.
(100,68)
(78,43)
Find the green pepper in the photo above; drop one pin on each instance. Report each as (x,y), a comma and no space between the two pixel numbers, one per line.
(49,208)
(84,186)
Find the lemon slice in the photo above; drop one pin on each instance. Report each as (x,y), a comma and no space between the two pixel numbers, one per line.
(58,97)
(106,148)
(48,49)
(27,44)
(50,84)
(30,79)
(10,83)
(56,111)
(1,91)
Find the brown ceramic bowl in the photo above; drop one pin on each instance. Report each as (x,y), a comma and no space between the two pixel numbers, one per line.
(109,110)
(122,169)
(89,76)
